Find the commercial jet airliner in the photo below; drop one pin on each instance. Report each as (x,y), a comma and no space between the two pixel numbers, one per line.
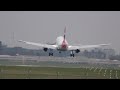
(61,44)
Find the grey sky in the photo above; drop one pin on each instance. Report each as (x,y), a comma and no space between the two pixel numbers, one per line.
(83,27)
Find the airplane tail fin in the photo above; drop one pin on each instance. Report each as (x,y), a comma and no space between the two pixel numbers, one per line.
(64,33)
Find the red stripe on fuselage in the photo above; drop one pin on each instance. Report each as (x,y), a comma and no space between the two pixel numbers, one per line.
(64,45)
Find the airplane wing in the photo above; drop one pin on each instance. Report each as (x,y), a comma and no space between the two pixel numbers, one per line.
(86,46)
(39,44)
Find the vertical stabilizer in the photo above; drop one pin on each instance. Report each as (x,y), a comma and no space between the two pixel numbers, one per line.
(64,32)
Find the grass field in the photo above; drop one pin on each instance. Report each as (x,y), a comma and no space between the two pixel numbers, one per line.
(25,72)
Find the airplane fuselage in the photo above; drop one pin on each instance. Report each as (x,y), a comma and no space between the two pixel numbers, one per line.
(61,43)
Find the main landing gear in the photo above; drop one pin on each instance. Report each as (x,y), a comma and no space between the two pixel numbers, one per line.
(72,54)
(51,52)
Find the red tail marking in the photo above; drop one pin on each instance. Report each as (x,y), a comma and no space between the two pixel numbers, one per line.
(64,45)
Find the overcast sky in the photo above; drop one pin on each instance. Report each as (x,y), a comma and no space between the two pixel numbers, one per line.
(83,27)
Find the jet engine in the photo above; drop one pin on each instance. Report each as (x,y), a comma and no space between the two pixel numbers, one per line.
(77,51)
(45,49)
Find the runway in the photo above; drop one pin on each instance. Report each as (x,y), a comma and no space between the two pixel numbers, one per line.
(47,61)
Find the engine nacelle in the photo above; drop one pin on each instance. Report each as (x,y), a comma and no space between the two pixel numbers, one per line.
(77,51)
(45,49)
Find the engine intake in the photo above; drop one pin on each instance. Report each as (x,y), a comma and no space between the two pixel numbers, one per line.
(77,51)
(45,49)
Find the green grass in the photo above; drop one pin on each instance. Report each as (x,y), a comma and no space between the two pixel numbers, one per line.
(22,72)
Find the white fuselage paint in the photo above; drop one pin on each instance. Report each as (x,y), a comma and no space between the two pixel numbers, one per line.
(61,43)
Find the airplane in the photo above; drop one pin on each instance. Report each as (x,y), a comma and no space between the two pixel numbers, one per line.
(61,44)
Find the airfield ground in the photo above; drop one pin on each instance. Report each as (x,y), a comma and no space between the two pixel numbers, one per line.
(24,67)
(24,72)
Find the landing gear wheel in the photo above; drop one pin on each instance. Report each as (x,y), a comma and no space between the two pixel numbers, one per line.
(72,55)
(50,54)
